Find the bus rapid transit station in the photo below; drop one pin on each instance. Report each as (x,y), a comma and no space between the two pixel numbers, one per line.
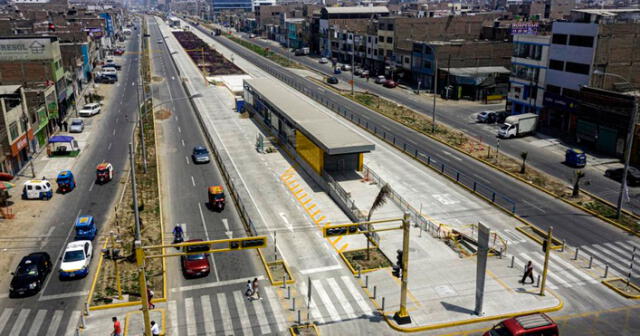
(325,144)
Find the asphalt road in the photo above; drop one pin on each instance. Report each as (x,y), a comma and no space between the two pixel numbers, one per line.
(108,143)
(463,117)
(577,227)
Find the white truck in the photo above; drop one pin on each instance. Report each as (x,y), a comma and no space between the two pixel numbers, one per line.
(518,125)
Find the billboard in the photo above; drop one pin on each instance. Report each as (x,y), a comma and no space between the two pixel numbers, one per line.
(524,28)
(13,49)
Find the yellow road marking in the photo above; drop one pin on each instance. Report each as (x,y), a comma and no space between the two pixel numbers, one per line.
(311,206)
(499,281)
(344,247)
(336,241)
(299,191)
(302,196)
(319,219)
(315,213)
(305,202)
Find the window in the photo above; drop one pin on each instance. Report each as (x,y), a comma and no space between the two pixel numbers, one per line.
(559,39)
(524,72)
(389,53)
(389,39)
(553,89)
(368,50)
(581,41)
(13,130)
(407,60)
(427,64)
(381,26)
(381,52)
(556,65)
(369,39)
(375,52)
(381,39)
(390,26)
(578,68)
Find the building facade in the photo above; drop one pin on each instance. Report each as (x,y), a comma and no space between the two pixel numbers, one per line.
(528,73)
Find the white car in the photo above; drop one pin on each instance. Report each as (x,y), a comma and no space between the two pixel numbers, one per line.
(346,67)
(324,60)
(76,259)
(76,126)
(380,79)
(89,110)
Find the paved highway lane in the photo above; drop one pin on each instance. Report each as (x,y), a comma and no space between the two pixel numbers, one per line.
(59,302)
(540,209)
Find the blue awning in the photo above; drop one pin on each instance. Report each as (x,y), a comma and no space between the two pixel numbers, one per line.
(61,138)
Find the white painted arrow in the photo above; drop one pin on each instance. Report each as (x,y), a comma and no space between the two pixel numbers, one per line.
(226,226)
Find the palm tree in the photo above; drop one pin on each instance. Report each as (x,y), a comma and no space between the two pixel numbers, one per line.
(523,155)
(579,174)
(380,200)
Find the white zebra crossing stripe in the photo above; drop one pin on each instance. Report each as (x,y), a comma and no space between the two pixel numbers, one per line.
(243,316)
(275,308)
(19,321)
(227,325)
(208,317)
(262,317)
(555,269)
(361,301)
(173,317)
(621,248)
(568,265)
(326,300)
(37,322)
(189,313)
(55,322)
(634,244)
(344,302)
(73,323)
(622,266)
(4,318)
(315,312)
(557,279)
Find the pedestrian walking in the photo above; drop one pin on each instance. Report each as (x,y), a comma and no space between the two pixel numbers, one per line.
(155,329)
(65,126)
(256,289)
(528,272)
(150,297)
(117,329)
(249,291)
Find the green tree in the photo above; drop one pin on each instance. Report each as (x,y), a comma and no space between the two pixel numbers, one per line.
(523,155)
(380,200)
(579,174)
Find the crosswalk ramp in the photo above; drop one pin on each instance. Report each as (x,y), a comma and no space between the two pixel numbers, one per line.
(335,299)
(561,273)
(33,322)
(226,313)
(617,255)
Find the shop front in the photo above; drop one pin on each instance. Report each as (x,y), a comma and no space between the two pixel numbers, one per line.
(20,152)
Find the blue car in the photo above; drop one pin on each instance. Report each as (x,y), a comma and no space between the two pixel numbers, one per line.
(200,154)
(85,228)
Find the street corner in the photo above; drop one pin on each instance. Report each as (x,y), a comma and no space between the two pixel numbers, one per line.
(134,321)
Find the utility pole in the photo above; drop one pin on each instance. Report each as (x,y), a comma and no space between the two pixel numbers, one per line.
(547,251)
(435,91)
(353,55)
(134,190)
(142,278)
(141,125)
(627,157)
(402,316)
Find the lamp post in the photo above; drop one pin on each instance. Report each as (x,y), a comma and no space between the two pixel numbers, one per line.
(435,89)
(627,145)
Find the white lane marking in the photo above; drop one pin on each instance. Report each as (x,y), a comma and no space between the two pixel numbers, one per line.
(320,269)
(174,117)
(451,155)
(93,183)
(207,314)
(73,322)
(55,322)
(117,119)
(364,306)
(275,308)
(64,246)
(611,258)
(206,234)
(286,221)
(228,232)
(326,300)
(315,312)
(243,316)
(569,266)
(46,237)
(187,158)
(193,181)
(114,132)
(179,129)
(262,317)
(344,302)
(4,318)
(227,325)
(109,147)
(538,268)
(182,140)
(189,313)
(213,284)
(37,322)
(63,295)
(173,313)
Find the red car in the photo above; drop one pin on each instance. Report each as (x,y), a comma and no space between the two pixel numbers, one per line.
(390,84)
(525,325)
(119,52)
(195,265)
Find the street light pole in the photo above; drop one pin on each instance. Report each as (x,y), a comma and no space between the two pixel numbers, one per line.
(435,92)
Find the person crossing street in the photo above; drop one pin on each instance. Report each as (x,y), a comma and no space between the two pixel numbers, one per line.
(528,273)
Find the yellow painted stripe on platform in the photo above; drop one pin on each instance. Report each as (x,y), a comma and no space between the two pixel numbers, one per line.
(311,206)
(319,219)
(305,202)
(299,191)
(302,196)
(504,285)
(291,182)
(344,247)
(336,241)
(315,213)
(294,187)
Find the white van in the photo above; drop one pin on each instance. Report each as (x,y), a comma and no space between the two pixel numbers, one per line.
(37,189)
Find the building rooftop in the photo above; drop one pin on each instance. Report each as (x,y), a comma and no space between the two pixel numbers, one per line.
(357,9)
(607,11)
(475,71)
(326,132)
(9,89)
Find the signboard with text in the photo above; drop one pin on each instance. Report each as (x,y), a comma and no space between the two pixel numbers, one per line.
(25,49)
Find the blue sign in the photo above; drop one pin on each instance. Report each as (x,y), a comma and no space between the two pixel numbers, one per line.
(107,19)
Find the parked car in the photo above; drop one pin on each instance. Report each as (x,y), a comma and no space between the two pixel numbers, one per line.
(77,125)
(89,110)
(160,41)
(107,79)
(119,51)
(345,67)
(195,265)
(364,74)
(380,79)
(525,325)
(486,117)
(30,274)
(76,259)
(633,175)
(332,80)
(337,71)
(112,65)
(200,154)
(390,84)
(357,71)
(323,60)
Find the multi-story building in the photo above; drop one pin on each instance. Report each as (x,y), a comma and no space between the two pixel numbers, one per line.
(221,5)
(16,132)
(528,72)
(329,17)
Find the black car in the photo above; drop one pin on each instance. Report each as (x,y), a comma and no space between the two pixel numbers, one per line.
(30,274)
(633,176)
(105,79)
(112,65)
(332,80)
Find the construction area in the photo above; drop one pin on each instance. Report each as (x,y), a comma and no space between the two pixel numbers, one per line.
(208,60)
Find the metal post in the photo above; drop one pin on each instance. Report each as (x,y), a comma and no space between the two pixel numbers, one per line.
(564,242)
(359,272)
(575,257)
(284,280)
(500,255)
(115,265)
(275,246)
(546,259)
(366,281)
(288,292)
(435,92)
(86,309)
(633,257)
(134,190)
(512,261)
(375,291)
(590,262)
(293,304)
(627,157)
(143,286)
(606,270)
(538,285)
(299,319)
(382,305)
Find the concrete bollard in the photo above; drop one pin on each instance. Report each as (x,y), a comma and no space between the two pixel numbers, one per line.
(538,284)
(86,308)
(366,281)
(500,256)
(374,292)
(512,261)
(359,272)
(383,305)
(564,242)
(606,270)
(575,257)
(81,325)
(590,261)
(293,304)
(288,292)
(299,319)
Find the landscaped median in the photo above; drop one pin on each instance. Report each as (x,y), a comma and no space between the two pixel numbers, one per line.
(104,291)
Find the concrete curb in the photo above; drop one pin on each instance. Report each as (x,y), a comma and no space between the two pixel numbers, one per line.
(607,283)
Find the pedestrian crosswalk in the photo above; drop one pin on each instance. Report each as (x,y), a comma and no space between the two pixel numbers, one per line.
(335,299)
(33,322)
(561,273)
(617,255)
